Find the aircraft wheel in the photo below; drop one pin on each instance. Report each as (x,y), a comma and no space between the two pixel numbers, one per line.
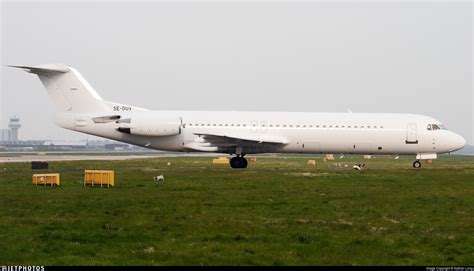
(235,162)
(417,164)
(238,162)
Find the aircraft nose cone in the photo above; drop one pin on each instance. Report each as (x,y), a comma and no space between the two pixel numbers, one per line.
(458,142)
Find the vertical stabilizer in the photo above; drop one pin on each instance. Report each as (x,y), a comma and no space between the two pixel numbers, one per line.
(67,88)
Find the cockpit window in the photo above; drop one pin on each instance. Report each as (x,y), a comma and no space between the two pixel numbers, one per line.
(432,127)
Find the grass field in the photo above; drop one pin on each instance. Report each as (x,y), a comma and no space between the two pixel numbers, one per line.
(279,211)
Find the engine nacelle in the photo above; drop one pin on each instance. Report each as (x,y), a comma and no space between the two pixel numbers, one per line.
(150,125)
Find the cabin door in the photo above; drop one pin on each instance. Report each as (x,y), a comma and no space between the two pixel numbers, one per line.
(411,134)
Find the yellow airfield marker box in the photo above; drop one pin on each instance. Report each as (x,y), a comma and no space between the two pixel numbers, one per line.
(46,179)
(99,177)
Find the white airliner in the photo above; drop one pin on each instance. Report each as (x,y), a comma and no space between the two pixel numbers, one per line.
(80,108)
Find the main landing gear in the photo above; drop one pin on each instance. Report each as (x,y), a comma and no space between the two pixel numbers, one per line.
(238,162)
(417,164)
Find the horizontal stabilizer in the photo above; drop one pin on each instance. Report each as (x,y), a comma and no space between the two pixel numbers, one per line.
(43,69)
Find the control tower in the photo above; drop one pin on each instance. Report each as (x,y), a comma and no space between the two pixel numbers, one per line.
(14,125)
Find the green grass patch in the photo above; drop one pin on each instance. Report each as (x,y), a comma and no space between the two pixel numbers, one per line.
(278,211)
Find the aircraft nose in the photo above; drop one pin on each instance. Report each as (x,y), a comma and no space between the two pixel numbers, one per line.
(457,142)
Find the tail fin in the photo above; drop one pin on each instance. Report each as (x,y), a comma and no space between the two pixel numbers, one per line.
(67,88)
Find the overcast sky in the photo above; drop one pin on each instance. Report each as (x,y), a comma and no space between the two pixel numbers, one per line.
(309,56)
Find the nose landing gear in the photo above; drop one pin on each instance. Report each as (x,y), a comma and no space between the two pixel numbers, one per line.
(238,162)
(417,164)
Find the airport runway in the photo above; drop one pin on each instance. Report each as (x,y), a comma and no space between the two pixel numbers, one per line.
(89,156)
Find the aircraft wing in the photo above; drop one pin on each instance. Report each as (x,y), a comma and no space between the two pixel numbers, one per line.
(215,142)
(236,139)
